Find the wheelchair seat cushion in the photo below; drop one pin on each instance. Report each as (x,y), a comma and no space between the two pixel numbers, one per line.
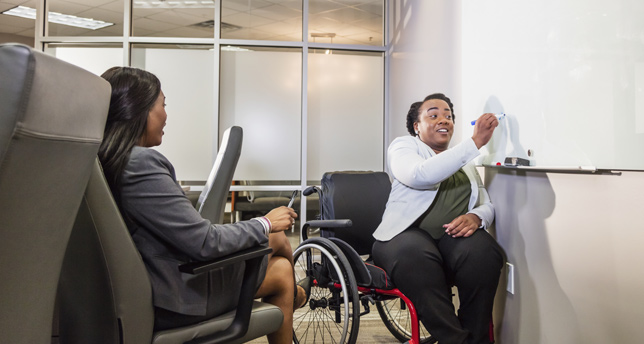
(379,277)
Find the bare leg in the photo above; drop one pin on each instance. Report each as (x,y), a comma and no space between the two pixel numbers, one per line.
(277,289)
(282,248)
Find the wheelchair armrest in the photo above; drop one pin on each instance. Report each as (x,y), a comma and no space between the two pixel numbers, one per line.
(239,327)
(195,268)
(327,224)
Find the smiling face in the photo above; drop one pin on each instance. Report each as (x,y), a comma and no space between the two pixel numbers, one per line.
(435,124)
(153,134)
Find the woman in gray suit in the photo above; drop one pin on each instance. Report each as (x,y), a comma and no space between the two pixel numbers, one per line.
(432,233)
(166,228)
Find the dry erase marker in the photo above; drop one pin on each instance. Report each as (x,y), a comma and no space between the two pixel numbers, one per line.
(498,115)
(290,203)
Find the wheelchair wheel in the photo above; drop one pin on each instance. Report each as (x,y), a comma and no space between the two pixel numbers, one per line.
(395,315)
(332,314)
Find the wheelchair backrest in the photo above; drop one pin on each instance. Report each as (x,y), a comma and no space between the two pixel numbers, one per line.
(360,196)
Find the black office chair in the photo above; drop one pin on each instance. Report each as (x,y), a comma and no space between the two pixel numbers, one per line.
(105,295)
(52,116)
(212,201)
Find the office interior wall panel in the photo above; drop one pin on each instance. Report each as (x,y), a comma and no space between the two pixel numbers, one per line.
(96,59)
(345,109)
(260,90)
(186,76)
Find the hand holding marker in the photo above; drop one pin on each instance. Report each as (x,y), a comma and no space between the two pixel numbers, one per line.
(290,203)
(498,116)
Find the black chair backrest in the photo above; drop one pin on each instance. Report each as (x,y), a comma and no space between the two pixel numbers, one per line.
(52,116)
(360,196)
(212,201)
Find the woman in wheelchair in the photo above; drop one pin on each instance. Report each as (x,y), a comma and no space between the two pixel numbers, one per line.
(432,234)
(168,230)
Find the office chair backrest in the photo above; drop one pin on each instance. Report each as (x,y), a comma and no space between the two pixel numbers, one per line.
(360,197)
(212,201)
(104,293)
(52,116)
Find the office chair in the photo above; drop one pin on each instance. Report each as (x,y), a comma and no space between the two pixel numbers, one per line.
(212,201)
(105,295)
(52,116)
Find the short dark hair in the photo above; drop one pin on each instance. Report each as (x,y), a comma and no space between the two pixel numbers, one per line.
(412,114)
(134,93)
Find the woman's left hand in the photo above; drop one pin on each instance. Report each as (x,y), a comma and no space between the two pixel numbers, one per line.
(463,226)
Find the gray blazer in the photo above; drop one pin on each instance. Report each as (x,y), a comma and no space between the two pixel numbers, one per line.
(168,231)
(417,173)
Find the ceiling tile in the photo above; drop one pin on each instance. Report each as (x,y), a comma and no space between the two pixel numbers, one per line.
(66,7)
(93,3)
(319,6)
(153,25)
(246,20)
(244,5)
(104,15)
(348,15)
(276,12)
(376,7)
(176,18)
(280,28)
(144,12)
(27,33)
(116,6)
(31,3)
(188,32)
(17,21)
(10,29)
(246,33)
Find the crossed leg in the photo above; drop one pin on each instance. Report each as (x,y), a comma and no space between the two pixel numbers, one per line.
(277,287)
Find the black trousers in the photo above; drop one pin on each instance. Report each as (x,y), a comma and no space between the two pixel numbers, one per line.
(424,269)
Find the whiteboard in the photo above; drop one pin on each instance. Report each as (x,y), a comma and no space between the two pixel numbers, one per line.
(569,74)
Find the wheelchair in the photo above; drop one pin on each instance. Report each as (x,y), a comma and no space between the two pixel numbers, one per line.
(338,264)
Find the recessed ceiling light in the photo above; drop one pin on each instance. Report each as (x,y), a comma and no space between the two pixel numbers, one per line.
(59,18)
(174,4)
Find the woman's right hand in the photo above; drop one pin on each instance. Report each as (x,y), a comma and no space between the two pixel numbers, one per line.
(281,218)
(484,128)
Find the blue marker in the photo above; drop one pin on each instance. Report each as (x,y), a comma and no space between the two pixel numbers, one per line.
(498,115)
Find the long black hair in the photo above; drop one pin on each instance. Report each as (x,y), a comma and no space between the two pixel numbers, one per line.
(134,92)
(412,114)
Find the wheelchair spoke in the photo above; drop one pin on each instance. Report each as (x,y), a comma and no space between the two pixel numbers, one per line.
(328,316)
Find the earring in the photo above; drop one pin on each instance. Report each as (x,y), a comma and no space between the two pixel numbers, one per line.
(416,132)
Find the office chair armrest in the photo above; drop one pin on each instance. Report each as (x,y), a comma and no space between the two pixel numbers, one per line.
(195,268)
(326,224)
(239,327)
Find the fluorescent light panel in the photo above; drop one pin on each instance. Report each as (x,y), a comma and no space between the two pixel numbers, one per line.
(59,18)
(173,4)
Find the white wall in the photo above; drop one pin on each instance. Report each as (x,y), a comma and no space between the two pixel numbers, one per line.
(424,58)
(576,245)
(345,109)
(186,77)
(261,92)
(575,240)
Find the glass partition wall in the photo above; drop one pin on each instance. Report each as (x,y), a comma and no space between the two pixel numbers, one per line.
(305,79)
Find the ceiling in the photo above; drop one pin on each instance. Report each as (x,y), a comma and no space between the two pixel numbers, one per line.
(330,21)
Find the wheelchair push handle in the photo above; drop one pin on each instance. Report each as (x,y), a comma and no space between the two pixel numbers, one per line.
(310,190)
